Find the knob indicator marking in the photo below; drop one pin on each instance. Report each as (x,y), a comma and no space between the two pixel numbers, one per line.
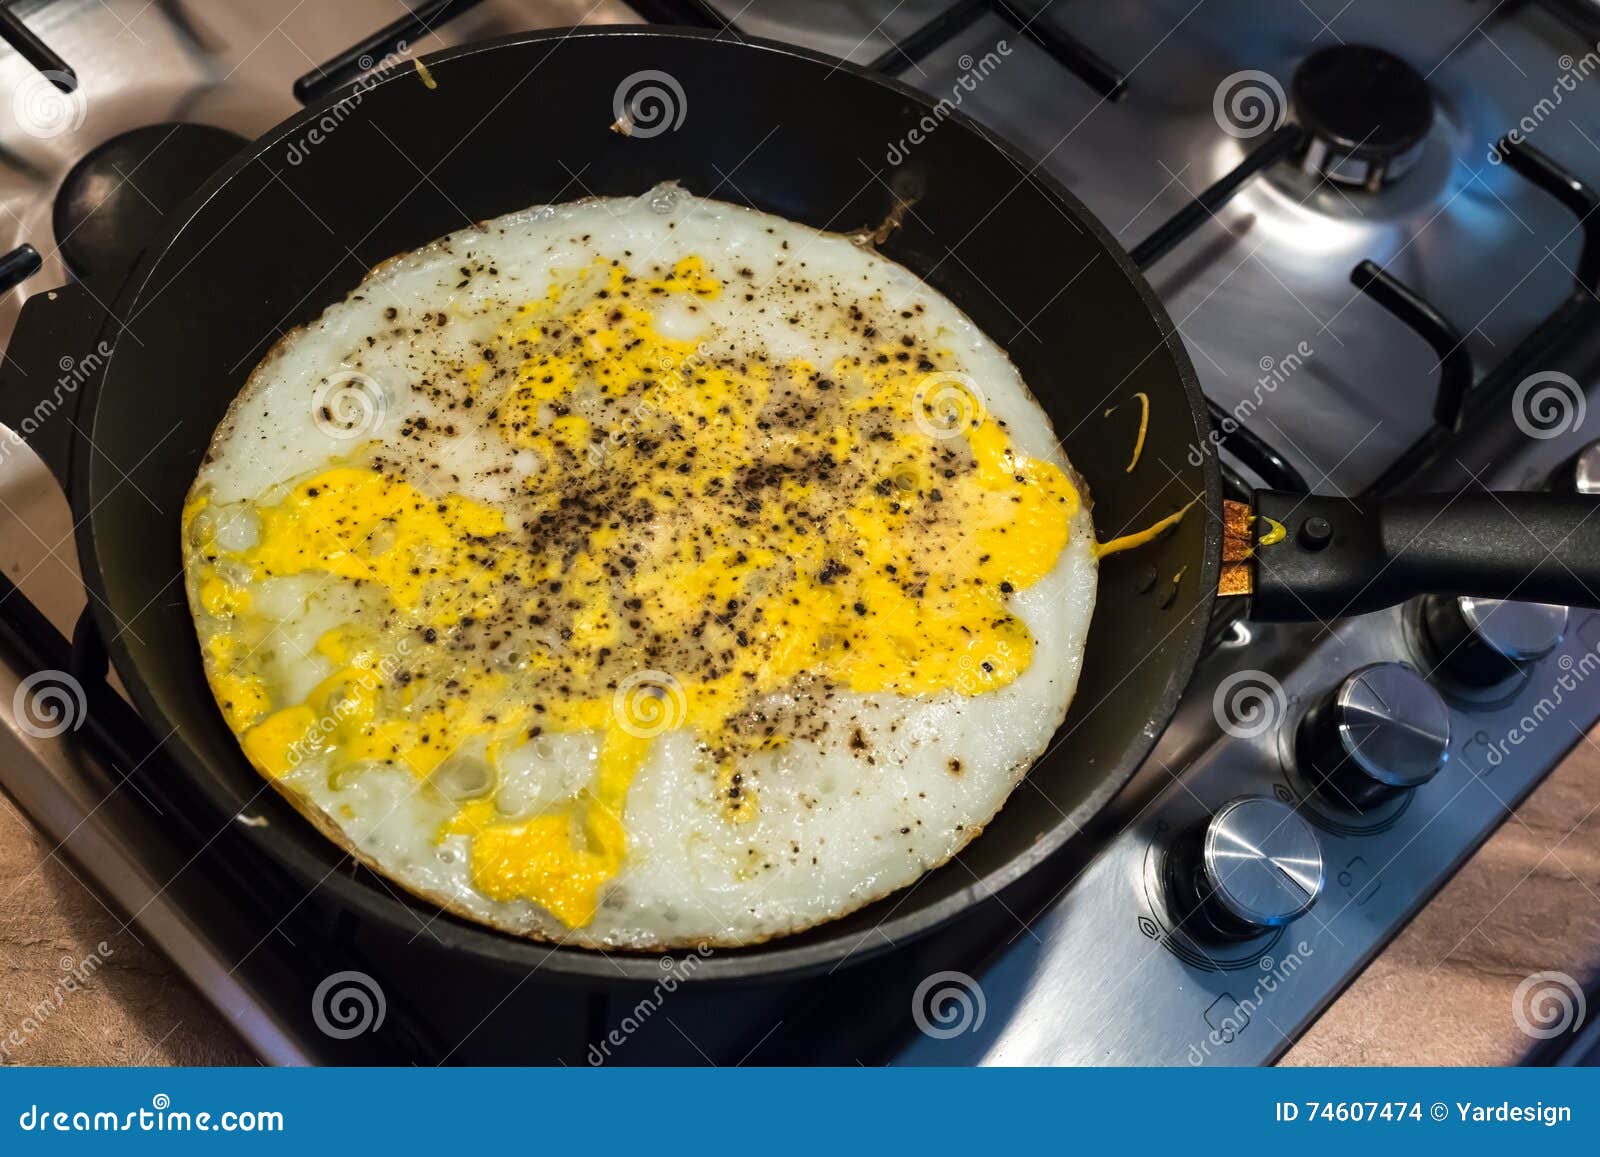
(1253,866)
(1384,731)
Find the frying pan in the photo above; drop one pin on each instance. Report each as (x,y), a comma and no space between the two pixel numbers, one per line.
(295,221)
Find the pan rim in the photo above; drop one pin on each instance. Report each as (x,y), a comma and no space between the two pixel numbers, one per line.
(776,957)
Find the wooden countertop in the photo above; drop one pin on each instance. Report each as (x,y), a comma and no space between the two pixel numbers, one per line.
(133,1009)
(1529,901)
(1440,994)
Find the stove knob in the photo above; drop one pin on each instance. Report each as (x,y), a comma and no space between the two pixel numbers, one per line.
(1481,642)
(1384,731)
(1580,473)
(1586,469)
(1251,867)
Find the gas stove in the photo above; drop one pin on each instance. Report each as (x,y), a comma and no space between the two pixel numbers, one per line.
(1371,226)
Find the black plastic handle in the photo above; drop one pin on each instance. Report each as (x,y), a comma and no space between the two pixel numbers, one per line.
(1340,557)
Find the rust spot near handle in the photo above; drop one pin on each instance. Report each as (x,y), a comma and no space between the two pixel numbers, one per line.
(1236,579)
(1238,546)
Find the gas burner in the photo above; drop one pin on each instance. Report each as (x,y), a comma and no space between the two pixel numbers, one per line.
(1366,111)
(112,201)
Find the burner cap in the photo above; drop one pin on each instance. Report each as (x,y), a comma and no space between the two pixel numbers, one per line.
(112,201)
(1367,111)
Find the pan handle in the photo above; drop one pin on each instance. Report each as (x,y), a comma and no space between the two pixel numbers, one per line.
(1339,557)
(54,359)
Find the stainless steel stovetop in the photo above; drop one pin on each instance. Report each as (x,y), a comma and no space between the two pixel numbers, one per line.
(1096,960)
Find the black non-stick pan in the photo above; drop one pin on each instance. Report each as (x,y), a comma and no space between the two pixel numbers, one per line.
(295,221)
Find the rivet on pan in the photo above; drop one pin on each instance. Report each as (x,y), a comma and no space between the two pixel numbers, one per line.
(1316,532)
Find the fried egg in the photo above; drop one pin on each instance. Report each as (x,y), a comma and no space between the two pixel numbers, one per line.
(641,572)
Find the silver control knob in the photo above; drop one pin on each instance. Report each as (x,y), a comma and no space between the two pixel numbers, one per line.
(1482,642)
(1580,473)
(1252,866)
(1384,731)
(1586,470)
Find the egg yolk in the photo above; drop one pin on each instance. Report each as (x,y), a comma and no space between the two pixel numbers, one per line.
(696,534)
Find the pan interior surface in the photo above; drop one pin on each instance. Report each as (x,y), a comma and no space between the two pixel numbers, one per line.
(292,227)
